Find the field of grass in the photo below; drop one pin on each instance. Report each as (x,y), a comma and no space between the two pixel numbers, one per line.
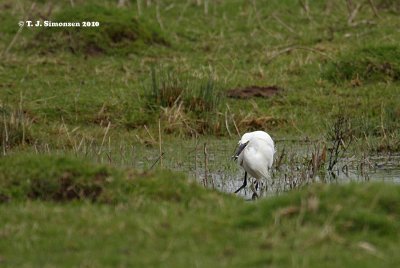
(333,59)
(154,78)
(95,216)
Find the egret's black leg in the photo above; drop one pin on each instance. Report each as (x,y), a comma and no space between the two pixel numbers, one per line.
(255,195)
(244,183)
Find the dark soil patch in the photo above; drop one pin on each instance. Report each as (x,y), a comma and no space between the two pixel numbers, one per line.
(253,91)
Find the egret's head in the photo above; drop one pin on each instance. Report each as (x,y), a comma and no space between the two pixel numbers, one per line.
(245,138)
(241,145)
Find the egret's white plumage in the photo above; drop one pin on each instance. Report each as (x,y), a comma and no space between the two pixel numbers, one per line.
(255,154)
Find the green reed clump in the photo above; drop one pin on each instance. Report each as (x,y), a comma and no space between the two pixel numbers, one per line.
(182,100)
(168,88)
(15,129)
(205,98)
(185,101)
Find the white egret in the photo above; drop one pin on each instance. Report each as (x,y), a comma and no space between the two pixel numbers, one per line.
(255,155)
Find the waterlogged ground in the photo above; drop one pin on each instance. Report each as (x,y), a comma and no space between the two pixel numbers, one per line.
(295,171)
(209,163)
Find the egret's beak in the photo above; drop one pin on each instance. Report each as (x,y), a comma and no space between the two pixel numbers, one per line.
(239,150)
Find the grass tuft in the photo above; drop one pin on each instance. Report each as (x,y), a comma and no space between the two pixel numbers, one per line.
(188,104)
(15,129)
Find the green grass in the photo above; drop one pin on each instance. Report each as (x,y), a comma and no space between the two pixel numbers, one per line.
(47,178)
(370,64)
(324,64)
(119,34)
(162,219)
(72,94)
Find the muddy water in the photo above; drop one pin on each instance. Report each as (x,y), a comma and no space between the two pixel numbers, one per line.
(212,160)
(378,168)
(209,163)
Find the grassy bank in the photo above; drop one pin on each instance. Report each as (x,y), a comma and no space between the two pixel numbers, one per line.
(161,219)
